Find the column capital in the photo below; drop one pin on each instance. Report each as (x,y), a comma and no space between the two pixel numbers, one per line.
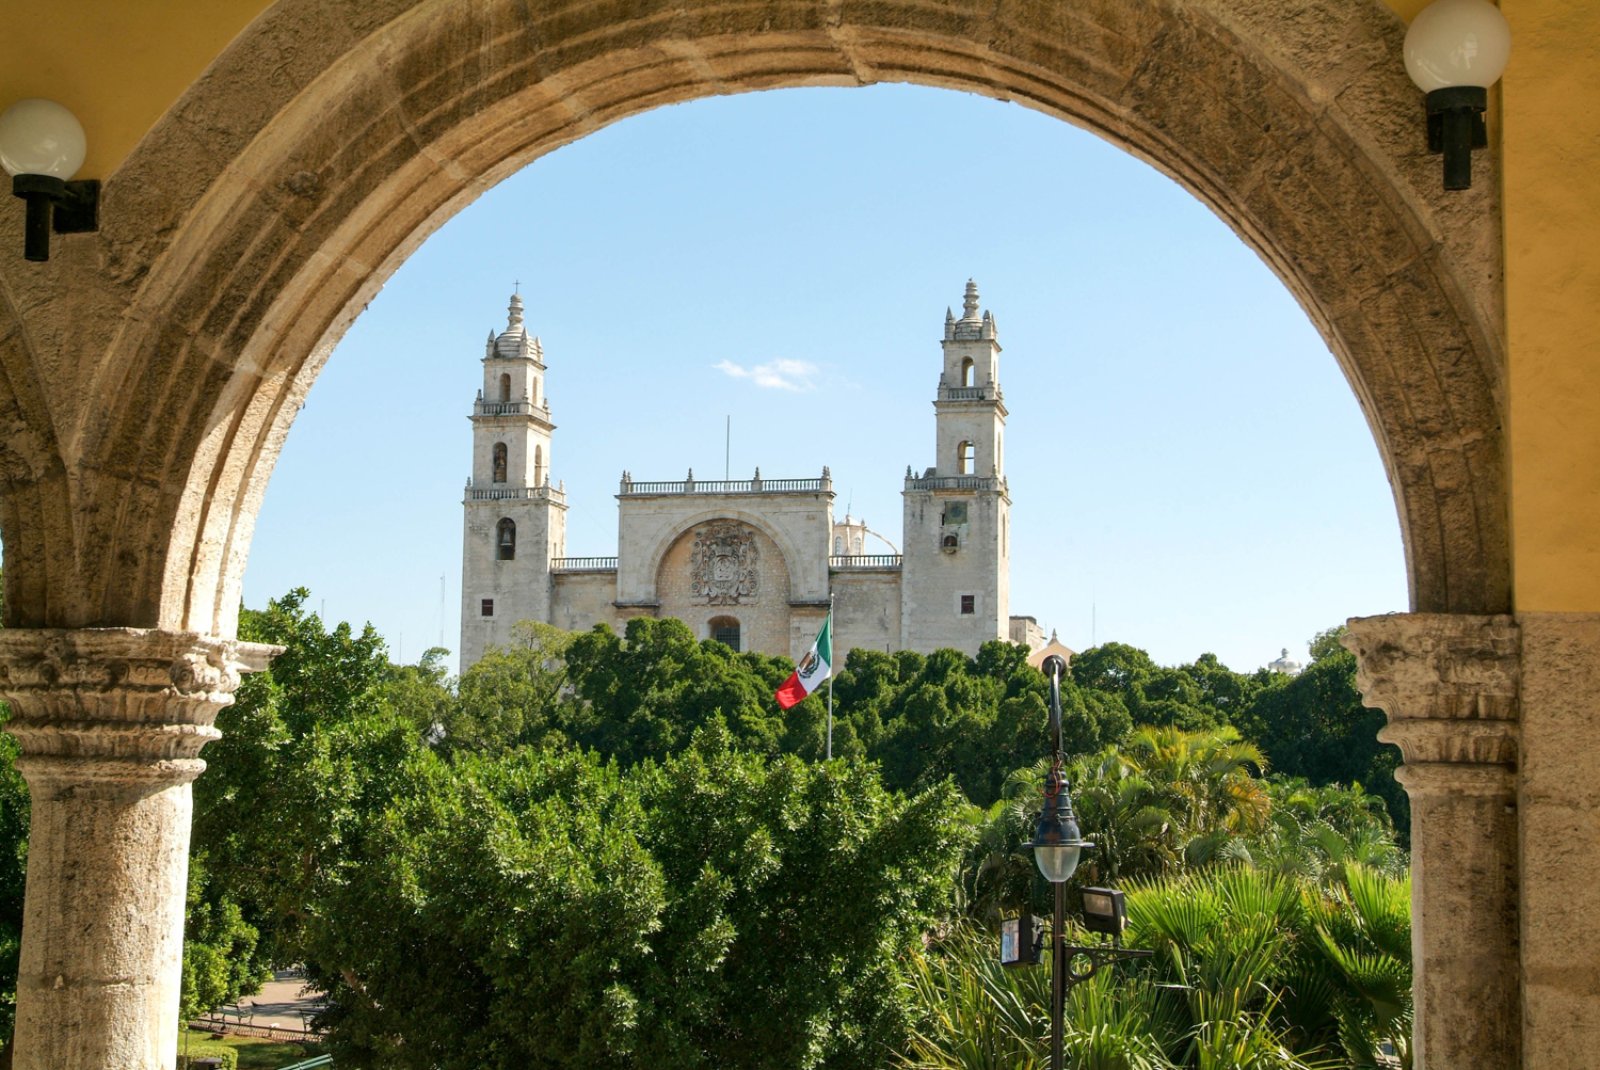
(118,704)
(1450,685)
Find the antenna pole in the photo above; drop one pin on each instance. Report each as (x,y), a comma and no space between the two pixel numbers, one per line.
(830,677)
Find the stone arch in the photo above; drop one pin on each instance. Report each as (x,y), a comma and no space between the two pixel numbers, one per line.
(684,527)
(252,224)
(966,458)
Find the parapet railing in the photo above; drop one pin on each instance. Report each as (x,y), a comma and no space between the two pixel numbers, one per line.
(509,408)
(727,486)
(849,561)
(583,564)
(497,494)
(955,482)
(970,393)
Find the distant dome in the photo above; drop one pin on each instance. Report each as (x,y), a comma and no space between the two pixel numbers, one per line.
(1284,665)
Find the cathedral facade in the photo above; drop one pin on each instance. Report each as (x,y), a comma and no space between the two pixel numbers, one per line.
(755,563)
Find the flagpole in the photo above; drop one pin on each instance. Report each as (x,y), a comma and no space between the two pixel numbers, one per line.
(830,678)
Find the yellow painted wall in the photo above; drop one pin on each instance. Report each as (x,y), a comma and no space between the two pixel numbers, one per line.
(1550,98)
(119,65)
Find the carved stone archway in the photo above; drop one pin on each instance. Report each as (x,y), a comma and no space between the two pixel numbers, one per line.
(153,370)
(149,373)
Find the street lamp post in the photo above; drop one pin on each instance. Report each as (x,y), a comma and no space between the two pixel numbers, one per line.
(1057,845)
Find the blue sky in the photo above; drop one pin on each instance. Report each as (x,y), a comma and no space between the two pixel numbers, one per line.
(1189,470)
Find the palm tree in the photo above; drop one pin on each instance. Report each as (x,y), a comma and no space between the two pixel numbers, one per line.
(1363,928)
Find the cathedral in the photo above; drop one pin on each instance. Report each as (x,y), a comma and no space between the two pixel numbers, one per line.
(755,563)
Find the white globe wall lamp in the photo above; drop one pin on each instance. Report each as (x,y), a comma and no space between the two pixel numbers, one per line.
(41,147)
(1454,51)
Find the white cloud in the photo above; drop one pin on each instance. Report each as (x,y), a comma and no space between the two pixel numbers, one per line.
(780,374)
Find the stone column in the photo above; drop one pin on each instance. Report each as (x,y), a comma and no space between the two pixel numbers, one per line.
(1449,684)
(110,723)
(1559,816)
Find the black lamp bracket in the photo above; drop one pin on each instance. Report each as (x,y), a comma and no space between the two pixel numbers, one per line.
(65,207)
(1455,128)
(1469,100)
(1086,960)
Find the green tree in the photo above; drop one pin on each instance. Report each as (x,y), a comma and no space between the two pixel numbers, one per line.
(1315,726)
(644,694)
(308,750)
(513,695)
(718,909)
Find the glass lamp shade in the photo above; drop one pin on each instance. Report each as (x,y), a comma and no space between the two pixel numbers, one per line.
(1457,43)
(1057,844)
(1057,861)
(40,137)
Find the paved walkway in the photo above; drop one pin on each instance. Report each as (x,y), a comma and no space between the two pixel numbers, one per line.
(283,1003)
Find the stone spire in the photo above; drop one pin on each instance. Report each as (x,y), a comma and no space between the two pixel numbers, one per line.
(514,340)
(973,324)
(969,304)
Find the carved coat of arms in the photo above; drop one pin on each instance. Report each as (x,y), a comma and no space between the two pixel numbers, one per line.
(722,563)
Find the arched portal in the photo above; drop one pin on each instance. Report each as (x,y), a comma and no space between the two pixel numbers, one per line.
(149,372)
(248,229)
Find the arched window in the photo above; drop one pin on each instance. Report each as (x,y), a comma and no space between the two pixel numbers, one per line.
(538,465)
(966,372)
(949,543)
(838,544)
(499,462)
(506,540)
(966,458)
(725,630)
(505,388)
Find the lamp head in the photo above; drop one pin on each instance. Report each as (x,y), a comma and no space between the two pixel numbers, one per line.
(1457,43)
(1057,843)
(40,137)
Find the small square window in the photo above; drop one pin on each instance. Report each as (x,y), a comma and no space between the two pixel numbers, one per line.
(969,604)
(488,607)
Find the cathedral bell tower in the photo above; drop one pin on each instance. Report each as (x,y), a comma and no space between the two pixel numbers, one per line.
(955,587)
(515,519)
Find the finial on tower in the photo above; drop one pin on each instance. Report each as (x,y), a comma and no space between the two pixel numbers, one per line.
(514,312)
(969,303)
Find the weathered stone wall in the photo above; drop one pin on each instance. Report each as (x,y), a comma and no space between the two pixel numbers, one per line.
(580,600)
(866,611)
(1558,820)
(799,525)
(519,588)
(763,614)
(934,580)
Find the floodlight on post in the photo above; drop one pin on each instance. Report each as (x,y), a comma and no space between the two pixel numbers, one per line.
(42,146)
(1454,51)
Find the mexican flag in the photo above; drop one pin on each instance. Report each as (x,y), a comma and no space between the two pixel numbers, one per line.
(814,668)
